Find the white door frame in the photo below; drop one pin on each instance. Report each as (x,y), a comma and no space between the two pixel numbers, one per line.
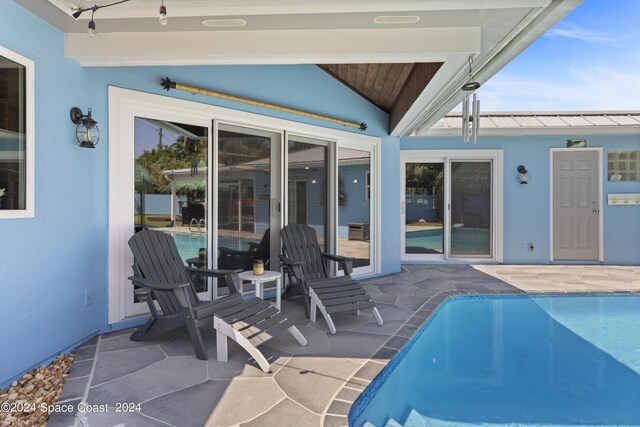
(375,226)
(446,156)
(598,150)
(126,104)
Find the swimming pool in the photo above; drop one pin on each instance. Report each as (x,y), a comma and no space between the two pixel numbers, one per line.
(189,244)
(525,361)
(464,241)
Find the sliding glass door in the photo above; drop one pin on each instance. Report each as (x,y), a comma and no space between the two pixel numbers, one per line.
(354,206)
(470,227)
(449,205)
(170,191)
(248,197)
(222,183)
(424,208)
(309,186)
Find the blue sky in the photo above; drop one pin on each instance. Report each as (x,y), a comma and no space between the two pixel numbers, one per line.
(588,61)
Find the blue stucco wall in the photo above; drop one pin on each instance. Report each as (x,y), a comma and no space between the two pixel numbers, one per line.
(48,263)
(526,207)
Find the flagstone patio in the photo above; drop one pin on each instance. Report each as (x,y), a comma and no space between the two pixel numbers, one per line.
(308,386)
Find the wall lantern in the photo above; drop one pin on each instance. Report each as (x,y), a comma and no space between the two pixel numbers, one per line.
(576,143)
(523,175)
(87,132)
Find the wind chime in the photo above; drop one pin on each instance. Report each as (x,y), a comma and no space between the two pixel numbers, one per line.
(470,122)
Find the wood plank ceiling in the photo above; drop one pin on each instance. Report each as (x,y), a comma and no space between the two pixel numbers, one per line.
(392,87)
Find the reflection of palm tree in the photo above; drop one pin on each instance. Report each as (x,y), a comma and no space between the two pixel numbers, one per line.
(142,182)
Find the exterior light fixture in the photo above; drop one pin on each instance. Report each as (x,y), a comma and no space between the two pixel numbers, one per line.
(92,27)
(576,143)
(87,132)
(470,122)
(163,18)
(92,24)
(523,175)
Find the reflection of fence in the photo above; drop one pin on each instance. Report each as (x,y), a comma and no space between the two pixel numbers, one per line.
(158,204)
(421,207)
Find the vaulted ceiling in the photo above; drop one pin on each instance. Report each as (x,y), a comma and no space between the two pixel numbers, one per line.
(392,87)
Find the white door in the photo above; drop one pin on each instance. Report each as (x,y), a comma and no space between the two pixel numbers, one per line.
(576,205)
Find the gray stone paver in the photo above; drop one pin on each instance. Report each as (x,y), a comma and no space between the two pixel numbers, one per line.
(307,385)
(239,406)
(196,401)
(285,412)
(312,380)
(123,362)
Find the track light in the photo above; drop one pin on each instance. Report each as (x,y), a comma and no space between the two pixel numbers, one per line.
(164,19)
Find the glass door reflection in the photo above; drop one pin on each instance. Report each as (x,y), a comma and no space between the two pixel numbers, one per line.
(471,212)
(308,187)
(424,208)
(170,186)
(248,197)
(354,205)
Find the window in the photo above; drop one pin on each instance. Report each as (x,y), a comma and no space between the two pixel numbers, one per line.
(16,136)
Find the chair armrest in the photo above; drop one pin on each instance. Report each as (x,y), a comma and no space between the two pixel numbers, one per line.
(230,276)
(337,258)
(140,281)
(286,261)
(345,262)
(294,267)
(223,249)
(210,272)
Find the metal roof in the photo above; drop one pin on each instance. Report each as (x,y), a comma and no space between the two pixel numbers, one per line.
(568,121)
(317,155)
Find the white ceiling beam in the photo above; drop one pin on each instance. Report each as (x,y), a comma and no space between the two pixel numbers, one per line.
(208,8)
(272,47)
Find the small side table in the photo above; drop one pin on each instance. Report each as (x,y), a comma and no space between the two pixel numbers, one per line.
(257,281)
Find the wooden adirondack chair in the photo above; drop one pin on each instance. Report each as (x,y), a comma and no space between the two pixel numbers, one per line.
(306,265)
(232,259)
(160,273)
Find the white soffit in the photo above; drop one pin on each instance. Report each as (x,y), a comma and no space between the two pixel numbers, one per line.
(283,31)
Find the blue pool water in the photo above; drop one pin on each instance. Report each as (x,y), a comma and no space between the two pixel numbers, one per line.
(515,361)
(189,244)
(464,241)
(424,239)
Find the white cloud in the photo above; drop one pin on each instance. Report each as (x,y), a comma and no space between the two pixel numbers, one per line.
(571,31)
(587,89)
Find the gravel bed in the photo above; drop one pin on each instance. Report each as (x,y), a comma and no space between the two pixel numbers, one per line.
(23,402)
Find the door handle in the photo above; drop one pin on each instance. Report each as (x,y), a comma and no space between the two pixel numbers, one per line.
(595,210)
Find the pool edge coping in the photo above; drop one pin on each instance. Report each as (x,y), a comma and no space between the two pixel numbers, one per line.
(422,314)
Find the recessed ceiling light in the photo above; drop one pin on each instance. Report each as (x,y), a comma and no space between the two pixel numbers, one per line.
(224,22)
(410,19)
